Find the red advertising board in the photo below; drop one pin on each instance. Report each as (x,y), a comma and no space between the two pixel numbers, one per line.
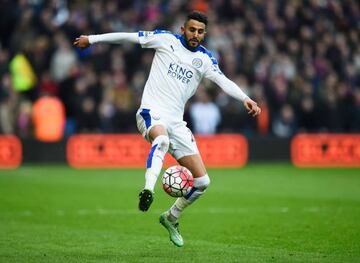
(130,150)
(326,150)
(10,152)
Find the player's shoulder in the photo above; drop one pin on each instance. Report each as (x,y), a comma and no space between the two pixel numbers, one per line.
(164,33)
(207,53)
(157,32)
(160,31)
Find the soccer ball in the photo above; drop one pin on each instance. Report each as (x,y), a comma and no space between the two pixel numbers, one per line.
(177,181)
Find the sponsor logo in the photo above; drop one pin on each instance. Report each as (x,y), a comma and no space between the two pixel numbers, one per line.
(180,73)
(197,62)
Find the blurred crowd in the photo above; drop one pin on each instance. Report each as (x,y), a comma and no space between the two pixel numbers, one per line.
(300,60)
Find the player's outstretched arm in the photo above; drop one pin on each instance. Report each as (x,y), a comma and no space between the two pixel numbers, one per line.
(111,38)
(227,85)
(235,91)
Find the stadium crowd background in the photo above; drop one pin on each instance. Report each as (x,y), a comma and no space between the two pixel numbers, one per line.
(300,60)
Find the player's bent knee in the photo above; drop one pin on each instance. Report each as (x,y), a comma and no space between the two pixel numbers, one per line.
(199,187)
(202,182)
(163,142)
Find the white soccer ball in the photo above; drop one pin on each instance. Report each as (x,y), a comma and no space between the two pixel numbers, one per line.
(177,181)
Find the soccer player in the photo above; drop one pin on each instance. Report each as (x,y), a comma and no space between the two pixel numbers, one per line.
(179,64)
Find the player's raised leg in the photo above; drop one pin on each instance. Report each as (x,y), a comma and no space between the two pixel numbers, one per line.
(160,145)
(201,181)
(169,219)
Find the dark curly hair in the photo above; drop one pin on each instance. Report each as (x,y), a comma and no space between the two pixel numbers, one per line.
(198,16)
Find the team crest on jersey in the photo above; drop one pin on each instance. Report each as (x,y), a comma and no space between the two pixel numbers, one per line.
(197,62)
(180,73)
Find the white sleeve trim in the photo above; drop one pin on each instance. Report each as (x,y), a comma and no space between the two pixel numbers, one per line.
(114,38)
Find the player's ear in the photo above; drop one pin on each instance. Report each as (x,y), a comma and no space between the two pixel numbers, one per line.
(182,29)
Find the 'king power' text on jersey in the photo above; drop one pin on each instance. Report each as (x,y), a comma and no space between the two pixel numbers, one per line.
(175,72)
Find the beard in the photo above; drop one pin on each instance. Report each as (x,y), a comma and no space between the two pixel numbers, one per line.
(192,42)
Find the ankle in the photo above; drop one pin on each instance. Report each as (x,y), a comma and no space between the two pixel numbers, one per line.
(171,217)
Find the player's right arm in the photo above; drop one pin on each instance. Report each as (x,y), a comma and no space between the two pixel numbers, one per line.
(147,39)
(110,38)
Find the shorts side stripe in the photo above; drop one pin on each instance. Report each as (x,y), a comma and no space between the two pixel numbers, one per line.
(145,113)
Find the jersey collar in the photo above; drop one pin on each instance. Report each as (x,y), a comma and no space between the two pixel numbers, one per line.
(183,42)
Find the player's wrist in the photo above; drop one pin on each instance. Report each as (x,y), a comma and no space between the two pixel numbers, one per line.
(246,98)
(91,39)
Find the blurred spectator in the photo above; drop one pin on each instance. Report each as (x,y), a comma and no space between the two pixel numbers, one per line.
(24,125)
(22,75)
(7,105)
(48,85)
(308,114)
(87,119)
(63,59)
(48,115)
(205,115)
(284,123)
(263,120)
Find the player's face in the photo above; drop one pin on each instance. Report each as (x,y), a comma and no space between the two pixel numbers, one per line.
(194,32)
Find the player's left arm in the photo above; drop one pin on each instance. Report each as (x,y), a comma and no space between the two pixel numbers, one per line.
(227,85)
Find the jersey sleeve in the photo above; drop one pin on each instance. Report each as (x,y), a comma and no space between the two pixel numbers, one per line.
(113,38)
(214,74)
(152,39)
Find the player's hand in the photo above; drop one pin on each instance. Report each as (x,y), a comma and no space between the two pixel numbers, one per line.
(252,108)
(82,42)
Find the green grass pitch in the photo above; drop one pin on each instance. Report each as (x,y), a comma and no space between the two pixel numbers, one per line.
(260,213)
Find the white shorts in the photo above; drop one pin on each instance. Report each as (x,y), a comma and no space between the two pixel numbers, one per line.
(182,141)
